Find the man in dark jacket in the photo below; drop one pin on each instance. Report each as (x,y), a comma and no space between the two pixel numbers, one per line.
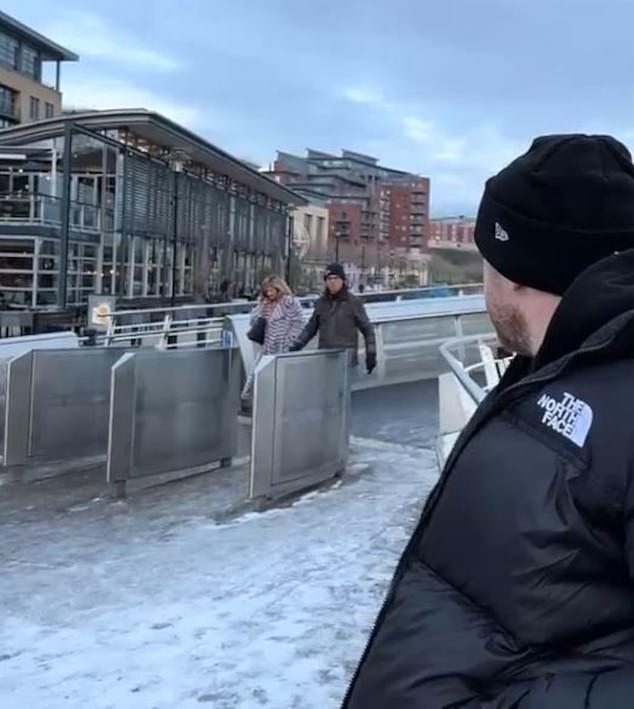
(338,318)
(516,589)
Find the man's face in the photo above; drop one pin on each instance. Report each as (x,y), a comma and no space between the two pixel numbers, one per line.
(334,284)
(504,304)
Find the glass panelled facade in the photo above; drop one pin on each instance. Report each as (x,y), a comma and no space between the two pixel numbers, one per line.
(137,229)
(9,50)
(20,56)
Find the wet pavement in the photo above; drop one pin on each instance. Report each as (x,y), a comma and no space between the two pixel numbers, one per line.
(406,414)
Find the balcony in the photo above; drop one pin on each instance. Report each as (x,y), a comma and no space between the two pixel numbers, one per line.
(44,210)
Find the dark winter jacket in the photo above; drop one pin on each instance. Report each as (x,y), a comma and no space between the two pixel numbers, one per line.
(338,319)
(516,589)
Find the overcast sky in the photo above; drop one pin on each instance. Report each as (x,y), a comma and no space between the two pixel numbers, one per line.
(451,89)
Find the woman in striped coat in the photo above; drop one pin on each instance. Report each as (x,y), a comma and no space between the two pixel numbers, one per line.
(284,317)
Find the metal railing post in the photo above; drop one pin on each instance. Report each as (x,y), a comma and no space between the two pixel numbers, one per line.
(167,324)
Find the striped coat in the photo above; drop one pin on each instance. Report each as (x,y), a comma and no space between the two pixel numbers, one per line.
(284,324)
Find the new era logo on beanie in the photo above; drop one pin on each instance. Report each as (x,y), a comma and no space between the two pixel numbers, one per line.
(500,233)
(553,212)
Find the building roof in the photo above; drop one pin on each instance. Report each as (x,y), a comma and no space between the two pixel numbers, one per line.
(318,157)
(49,49)
(160,131)
(359,157)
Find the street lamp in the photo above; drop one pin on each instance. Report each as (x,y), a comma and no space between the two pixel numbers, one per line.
(289,246)
(177,160)
(363,264)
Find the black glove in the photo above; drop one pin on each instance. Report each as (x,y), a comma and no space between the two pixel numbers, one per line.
(295,347)
(370,362)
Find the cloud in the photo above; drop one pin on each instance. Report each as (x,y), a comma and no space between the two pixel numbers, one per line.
(451,150)
(360,94)
(89,35)
(418,129)
(106,93)
(458,161)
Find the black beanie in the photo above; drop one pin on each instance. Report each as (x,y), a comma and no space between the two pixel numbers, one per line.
(553,212)
(335,269)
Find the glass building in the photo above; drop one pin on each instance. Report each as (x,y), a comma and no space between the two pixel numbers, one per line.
(128,203)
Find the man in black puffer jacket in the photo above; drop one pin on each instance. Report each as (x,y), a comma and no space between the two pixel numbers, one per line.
(516,590)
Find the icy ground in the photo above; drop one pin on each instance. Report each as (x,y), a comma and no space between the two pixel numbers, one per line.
(162,604)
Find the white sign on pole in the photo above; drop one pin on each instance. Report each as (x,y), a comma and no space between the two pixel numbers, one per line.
(100,309)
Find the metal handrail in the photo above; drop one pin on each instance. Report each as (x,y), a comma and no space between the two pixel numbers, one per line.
(389,296)
(474,391)
(162,330)
(461,371)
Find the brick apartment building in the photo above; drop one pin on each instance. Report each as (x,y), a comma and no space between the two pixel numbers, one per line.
(375,212)
(404,213)
(452,233)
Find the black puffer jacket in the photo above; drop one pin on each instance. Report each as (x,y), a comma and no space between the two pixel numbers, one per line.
(516,589)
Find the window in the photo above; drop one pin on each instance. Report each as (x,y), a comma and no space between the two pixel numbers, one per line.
(31,62)
(50,110)
(320,229)
(34,108)
(308,223)
(8,51)
(7,101)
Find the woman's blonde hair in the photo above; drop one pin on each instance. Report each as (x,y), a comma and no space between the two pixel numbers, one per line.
(275,282)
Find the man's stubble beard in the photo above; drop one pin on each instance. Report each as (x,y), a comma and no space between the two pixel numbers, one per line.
(511,328)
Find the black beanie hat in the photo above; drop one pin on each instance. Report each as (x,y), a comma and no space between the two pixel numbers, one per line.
(335,269)
(553,212)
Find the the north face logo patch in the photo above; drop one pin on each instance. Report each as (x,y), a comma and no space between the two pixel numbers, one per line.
(571,417)
(500,233)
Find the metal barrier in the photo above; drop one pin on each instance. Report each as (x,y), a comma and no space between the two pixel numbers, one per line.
(169,333)
(300,426)
(403,355)
(161,412)
(172,412)
(57,405)
(150,316)
(13,346)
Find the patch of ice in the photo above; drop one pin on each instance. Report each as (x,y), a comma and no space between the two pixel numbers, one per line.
(146,609)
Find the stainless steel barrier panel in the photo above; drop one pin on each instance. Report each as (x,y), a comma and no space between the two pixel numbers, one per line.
(70,402)
(4,375)
(172,411)
(300,422)
(14,346)
(58,405)
(17,409)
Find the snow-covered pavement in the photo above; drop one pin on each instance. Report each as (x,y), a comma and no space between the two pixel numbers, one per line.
(163,607)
